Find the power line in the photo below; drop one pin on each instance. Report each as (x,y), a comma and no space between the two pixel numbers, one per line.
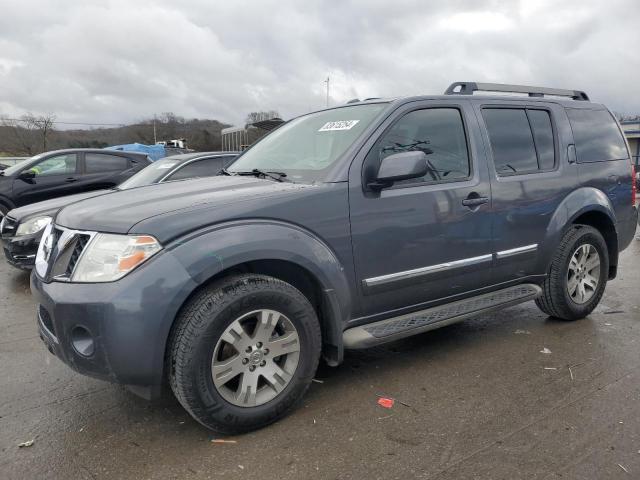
(22,120)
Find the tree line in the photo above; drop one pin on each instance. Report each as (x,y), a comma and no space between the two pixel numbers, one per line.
(30,134)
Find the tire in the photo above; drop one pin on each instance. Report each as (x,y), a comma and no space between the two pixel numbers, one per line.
(203,335)
(3,210)
(580,242)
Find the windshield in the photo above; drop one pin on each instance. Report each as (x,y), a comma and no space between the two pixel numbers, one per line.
(20,165)
(151,174)
(306,147)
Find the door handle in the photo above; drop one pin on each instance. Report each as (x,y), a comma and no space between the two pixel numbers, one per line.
(71,180)
(474,200)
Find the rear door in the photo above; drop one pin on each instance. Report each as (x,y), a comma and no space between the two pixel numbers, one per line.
(54,176)
(530,176)
(420,240)
(103,170)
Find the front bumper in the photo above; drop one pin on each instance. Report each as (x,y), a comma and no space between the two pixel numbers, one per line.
(114,331)
(20,252)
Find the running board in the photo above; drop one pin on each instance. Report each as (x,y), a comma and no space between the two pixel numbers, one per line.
(413,323)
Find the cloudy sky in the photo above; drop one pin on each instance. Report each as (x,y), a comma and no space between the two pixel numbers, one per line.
(124,60)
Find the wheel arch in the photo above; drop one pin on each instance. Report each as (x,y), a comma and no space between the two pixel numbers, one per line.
(6,202)
(584,206)
(283,251)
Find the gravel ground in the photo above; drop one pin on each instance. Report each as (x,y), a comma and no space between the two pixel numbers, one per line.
(480,401)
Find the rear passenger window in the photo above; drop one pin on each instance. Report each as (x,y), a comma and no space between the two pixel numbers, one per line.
(438,132)
(100,162)
(521,139)
(596,135)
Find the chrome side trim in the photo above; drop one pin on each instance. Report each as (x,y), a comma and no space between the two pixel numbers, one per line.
(516,251)
(418,272)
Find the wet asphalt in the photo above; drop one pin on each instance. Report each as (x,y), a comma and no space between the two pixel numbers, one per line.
(479,400)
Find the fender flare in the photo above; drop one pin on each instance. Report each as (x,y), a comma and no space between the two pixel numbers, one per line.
(212,250)
(578,202)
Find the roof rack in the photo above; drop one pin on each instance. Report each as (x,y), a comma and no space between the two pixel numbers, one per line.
(467,88)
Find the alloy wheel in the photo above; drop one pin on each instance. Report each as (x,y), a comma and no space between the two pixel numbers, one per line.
(255,358)
(583,275)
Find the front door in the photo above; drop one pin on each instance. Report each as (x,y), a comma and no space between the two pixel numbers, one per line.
(424,239)
(53,177)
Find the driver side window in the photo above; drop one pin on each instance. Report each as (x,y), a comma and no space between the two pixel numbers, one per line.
(439,133)
(60,165)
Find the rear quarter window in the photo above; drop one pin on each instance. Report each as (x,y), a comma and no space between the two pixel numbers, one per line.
(596,136)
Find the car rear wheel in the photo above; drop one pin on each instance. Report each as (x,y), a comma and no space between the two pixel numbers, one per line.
(243,352)
(578,275)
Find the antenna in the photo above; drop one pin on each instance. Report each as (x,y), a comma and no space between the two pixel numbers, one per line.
(327,82)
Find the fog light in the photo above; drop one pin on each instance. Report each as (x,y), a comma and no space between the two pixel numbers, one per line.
(82,341)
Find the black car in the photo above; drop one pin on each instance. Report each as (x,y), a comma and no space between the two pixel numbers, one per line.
(65,172)
(22,227)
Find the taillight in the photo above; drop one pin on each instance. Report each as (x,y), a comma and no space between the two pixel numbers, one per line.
(634,186)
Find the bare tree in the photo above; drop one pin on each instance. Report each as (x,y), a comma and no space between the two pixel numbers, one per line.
(29,134)
(45,124)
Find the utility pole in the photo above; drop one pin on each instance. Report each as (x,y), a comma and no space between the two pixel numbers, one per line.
(327,82)
(155,140)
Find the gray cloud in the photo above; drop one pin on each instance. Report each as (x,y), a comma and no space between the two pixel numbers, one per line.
(121,61)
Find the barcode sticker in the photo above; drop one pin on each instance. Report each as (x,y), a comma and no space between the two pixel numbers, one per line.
(338,125)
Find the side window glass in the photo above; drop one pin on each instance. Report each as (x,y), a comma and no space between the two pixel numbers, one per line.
(596,135)
(438,132)
(511,140)
(60,165)
(100,162)
(201,168)
(543,136)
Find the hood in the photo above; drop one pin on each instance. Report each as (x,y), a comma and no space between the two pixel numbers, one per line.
(50,207)
(121,210)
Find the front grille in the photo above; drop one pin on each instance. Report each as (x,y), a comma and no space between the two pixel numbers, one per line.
(9,227)
(80,244)
(66,248)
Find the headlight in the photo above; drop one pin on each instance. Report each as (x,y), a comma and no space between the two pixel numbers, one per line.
(33,225)
(109,257)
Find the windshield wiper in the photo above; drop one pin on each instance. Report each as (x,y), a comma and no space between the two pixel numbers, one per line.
(277,176)
(224,171)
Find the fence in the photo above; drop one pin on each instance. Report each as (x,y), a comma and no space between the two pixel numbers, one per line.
(10,161)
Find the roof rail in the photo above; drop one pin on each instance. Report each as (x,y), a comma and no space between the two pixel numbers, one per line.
(467,88)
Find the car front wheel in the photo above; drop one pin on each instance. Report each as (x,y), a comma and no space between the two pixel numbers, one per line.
(243,352)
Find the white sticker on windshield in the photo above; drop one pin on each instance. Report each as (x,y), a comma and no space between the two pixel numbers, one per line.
(338,125)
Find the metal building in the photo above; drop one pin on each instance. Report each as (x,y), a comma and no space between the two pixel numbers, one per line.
(631,130)
(239,138)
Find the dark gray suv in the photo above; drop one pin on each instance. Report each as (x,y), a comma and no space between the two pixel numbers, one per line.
(344,228)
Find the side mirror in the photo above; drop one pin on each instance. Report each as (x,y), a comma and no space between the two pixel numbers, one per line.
(400,166)
(27,175)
